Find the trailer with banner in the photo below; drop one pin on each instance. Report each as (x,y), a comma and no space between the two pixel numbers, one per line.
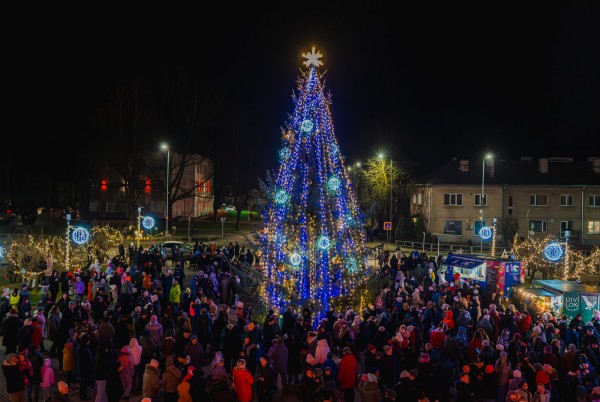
(492,274)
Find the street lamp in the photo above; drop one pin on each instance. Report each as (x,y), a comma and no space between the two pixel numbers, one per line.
(381,156)
(482,196)
(165,147)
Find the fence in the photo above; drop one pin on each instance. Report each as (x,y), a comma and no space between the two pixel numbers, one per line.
(444,248)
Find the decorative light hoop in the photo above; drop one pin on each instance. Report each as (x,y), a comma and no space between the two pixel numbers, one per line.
(554,251)
(486,233)
(148,222)
(295,259)
(333,183)
(307,126)
(80,235)
(323,243)
(284,153)
(281,197)
(352,266)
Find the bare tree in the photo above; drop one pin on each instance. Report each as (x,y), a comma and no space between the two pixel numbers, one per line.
(126,123)
(191,105)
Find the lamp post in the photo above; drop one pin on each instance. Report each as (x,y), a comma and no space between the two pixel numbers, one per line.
(139,231)
(482,195)
(166,148)
(381,157)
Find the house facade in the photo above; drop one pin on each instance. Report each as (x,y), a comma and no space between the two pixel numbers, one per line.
(546,197)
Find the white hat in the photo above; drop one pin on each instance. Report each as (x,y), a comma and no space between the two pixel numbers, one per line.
(240,304)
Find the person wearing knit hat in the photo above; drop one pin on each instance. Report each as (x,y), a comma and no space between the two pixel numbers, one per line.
(404,374)
(390,395)
(371,377)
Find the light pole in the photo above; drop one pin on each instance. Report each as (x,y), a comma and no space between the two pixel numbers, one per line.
(381,157)
(166,148)
(482,196)
(139,231)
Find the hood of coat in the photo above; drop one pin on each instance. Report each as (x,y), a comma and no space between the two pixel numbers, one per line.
(133,343)
(47,363)
(150,369)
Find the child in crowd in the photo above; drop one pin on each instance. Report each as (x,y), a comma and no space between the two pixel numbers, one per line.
(47,379)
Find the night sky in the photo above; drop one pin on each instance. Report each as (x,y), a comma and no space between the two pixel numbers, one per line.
(424,85)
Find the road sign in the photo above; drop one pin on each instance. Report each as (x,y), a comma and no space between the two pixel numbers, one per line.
(387,225)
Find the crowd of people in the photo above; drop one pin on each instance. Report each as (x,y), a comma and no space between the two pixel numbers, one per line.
(145,325)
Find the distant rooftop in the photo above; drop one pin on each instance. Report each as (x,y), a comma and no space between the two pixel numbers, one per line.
(526,171)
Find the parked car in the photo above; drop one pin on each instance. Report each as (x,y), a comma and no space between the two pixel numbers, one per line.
(185,248)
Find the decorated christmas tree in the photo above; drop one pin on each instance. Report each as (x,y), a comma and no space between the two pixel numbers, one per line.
(313,240)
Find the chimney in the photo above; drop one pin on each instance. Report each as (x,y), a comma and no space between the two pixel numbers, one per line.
(464,165)
(489,163)
(595,164)
(543,165)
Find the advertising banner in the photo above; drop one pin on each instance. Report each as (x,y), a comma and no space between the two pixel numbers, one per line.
(571,304)
(589,303)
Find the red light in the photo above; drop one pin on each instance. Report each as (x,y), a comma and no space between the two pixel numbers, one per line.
(103,185)
(148,188)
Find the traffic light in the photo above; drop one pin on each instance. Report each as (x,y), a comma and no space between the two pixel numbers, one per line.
(103,185)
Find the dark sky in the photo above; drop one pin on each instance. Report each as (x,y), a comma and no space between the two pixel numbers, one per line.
(424,84)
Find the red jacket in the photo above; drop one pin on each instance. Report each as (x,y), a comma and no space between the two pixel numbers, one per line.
(347,376)
(243,380)
(437,339)
(524,325)
(36,336)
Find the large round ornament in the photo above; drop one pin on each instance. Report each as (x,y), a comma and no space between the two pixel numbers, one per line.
(80,235)
(554,251)
(323,243)
(295,259)
(485,232)
(148,222)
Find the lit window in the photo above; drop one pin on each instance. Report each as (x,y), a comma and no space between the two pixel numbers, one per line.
(593,227)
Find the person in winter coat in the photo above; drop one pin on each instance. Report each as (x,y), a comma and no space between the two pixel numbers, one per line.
(85,361)
(126,369)
(15,386)
(368,388)
(194,350)
(170,380)
(10,328)
(68,361)
(265,380)
(47,379)
(35,381)
(52,326)
(184,392)
(242,380)
(136,354)
(542,394)
(347,374)
(155,331)
(175,293)
(102,365)
(278,354)
(321,351)
(151,386)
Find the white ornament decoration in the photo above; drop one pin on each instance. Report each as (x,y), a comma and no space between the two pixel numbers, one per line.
(80,235)
(148,222)
(295,259)
(485,232)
